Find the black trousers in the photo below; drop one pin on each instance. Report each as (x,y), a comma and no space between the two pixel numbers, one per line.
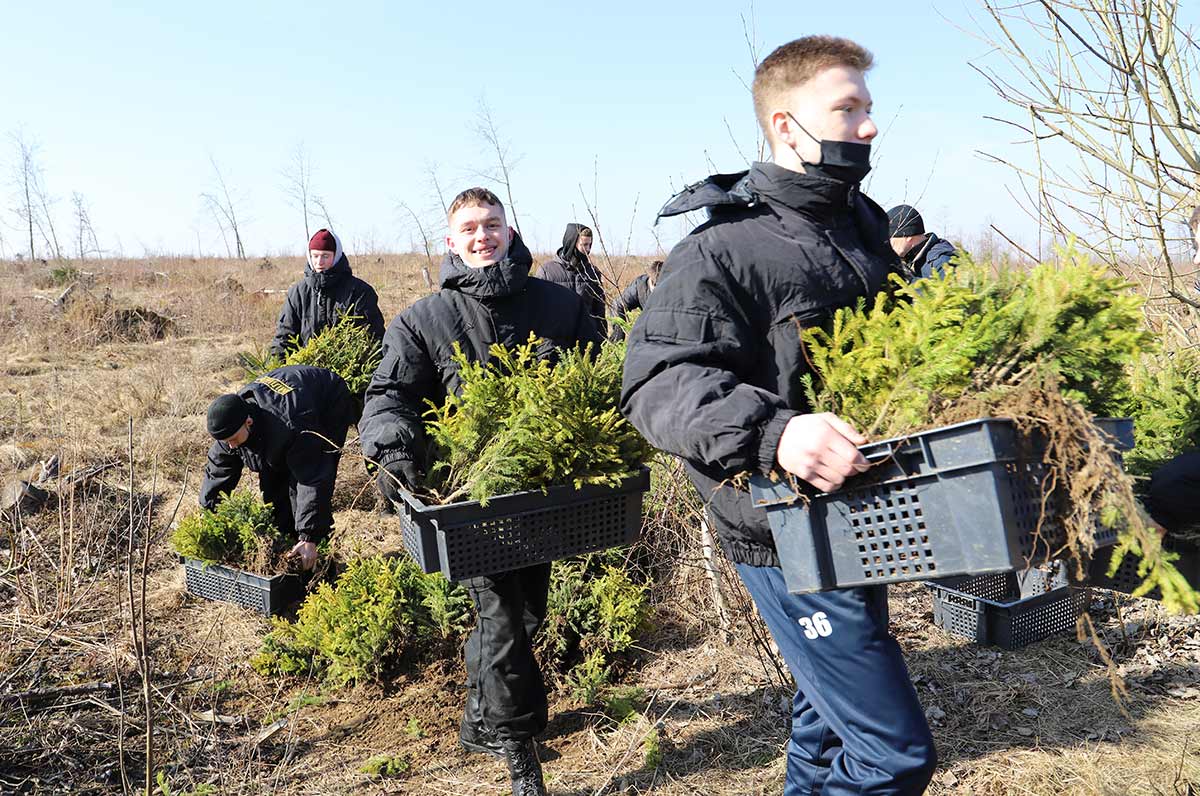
(505,690)
(279,489)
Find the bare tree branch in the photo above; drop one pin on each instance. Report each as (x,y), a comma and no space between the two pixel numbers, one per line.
(224,211)
(297,176)
(485,126)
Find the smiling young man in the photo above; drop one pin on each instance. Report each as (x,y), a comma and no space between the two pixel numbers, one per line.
(328,290)
(487,296)
(713,375)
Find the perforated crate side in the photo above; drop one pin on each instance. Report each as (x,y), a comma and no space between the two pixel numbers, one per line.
(420,539)
(959,614)
(260,594)
(1010,624)
(963,499)
(888,526)
(1037,618)
(525,538)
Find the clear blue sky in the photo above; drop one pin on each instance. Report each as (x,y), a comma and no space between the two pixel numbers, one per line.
(128,105)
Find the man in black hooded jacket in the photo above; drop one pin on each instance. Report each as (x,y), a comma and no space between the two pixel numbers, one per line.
(487,296)
(288,426)
(328,291)
(572,268)
(713,375)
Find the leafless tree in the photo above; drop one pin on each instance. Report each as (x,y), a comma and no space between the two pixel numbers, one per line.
(323,210)
(224,211)
(85,234)
(426,242)
(431,170)
(297,176)
(501,174)
(1101,91)
(33,201)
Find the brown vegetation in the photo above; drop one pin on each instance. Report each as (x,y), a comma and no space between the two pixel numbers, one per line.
(75,679)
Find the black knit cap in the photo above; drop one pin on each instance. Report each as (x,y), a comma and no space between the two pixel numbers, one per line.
(226,415)
(904,220)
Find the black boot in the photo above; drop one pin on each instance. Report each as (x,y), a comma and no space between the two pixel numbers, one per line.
(524,768)
(479,739)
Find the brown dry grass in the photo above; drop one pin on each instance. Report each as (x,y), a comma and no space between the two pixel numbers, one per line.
(1035,721)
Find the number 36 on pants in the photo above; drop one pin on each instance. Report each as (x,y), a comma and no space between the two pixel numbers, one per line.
(815,626)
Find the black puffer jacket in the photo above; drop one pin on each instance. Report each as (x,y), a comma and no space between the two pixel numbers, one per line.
(286,403)
(632,298)
(571,268)
(714,363)
(475,308)
(318,300)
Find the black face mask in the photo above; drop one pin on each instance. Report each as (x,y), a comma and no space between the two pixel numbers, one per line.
(844,161)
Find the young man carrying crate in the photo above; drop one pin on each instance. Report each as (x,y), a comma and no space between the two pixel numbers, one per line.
(712,375)
(487,296)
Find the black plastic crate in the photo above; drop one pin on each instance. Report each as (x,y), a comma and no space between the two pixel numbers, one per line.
(465,540)
(1126,579)
(964,499)
(1008,609)
(259,593)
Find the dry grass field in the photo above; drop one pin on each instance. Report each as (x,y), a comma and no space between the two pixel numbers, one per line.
(114,379)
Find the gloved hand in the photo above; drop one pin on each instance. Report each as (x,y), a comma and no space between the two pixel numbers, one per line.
(398,469)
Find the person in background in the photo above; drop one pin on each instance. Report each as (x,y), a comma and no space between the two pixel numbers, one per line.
(633,298)
(328,291)
(288,426)
(571,267)
(923,254)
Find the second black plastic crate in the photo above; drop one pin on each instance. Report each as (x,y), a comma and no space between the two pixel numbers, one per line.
(964,499)
(262,594)
(1008,609)
(1126,578)
(467,539)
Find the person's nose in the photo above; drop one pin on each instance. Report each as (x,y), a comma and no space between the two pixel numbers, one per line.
(867,130)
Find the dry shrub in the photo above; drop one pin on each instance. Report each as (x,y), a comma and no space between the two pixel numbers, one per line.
(100,320)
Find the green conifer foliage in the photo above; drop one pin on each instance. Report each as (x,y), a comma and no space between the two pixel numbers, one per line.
(890,368)
(1164,401)
(524,422)
(346,348)
(241,532)
(380,610)
(1051,348)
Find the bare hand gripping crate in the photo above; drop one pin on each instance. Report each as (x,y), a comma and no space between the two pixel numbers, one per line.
(260,593)
(964,499)
(466,540)
(1009,609)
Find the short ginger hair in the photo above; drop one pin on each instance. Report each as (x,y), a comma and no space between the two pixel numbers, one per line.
(797,62)
(1194,221)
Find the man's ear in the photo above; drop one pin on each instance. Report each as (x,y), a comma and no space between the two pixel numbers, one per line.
(512,233)
(450,244)
(781,126)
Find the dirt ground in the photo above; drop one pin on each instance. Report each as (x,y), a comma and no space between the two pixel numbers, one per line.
(712,712)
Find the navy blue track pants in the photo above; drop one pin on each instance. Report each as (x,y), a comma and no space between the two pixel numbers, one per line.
(857,725)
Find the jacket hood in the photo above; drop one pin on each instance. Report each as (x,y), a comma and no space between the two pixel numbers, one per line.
(336,272)
(492,281)
(568,254)
(812,194)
